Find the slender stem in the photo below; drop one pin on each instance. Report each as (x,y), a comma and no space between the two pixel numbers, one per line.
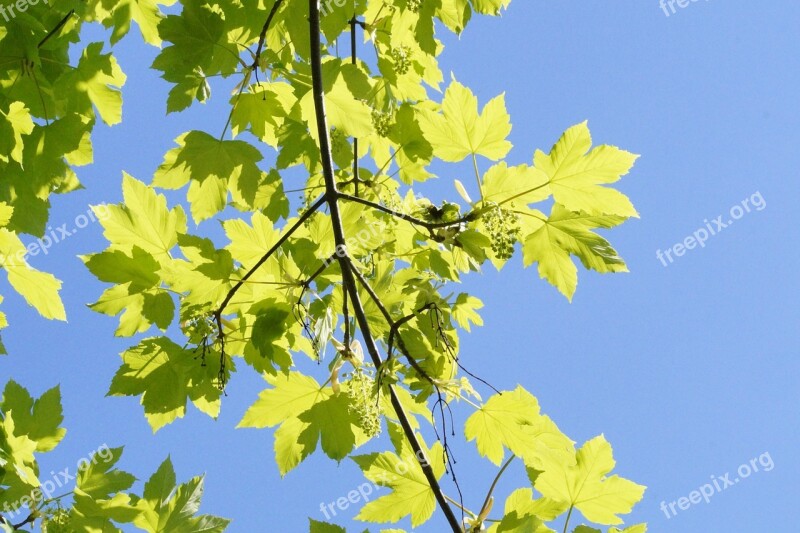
(354,59)
(232,292)
(403,216)
(56,498)
(30,520)
(566,522)
(485,506)
(346,315)
(348,279)
(263,35)
(245,81)
(55,30)
(477,175)
(523,193)
(451,500)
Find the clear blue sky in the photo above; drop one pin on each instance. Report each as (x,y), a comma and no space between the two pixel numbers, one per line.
(690,370)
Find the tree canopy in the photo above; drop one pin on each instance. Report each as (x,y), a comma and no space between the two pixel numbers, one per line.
(347,300)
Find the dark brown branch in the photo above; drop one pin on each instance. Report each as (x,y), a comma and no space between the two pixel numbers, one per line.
(263,35)
(348,278)
(232,292)
(441,403)
(403,216)
(55,30)
(30,520)
(354,59)
(394,326)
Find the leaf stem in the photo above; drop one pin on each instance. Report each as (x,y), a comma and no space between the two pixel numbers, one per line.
(523,193)
(451,500)
(477,175)
(485,506)
(566,522)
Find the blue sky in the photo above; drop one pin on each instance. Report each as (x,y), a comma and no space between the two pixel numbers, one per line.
(690,369)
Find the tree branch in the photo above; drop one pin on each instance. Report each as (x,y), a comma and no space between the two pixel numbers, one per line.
(394,326)
(231,293)
(57,28)
(354,58)
(348,279)
(403,216)
(263,35)
(217,315)
(30,520)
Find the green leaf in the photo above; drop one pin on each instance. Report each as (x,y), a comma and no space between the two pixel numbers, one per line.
(465,311)
(142,221)
(566,233)
(17,122)
(511,420)
(270,325)
(166,508)
(521,515)
(638,528)
(39,289)
(139,269)
(490,7)
(144,12)
(99,480)
(323,527)
(522,185)
(261,110)
(6,212)
(306,413)
(199,48)
(577,175)
(17,460)
(214,167)
(95,82)
(165,376)
(583,484)
(346,113)
(161,484)
(411,494)
(39,420)
(461,132)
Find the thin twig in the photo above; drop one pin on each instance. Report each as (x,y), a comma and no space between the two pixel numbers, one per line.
(403,216)
(354,59)
(217,315)
(232,292)
(55,30)
(263,35)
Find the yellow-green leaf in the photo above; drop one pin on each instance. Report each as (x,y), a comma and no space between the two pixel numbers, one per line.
(577,175)
(461,131)
(583,484)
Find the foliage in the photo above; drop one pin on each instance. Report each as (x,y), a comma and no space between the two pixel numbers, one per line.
(101,499)
(362,265)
